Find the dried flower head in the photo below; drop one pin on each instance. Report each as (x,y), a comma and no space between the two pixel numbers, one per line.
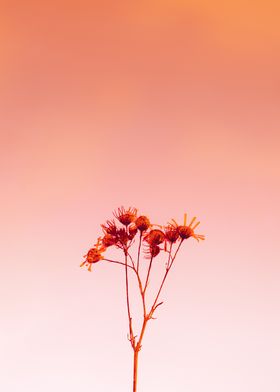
(171,233)
(94,254)
(152,251)
(142,223)
(122,237)
(110,227)
(126,216)
(155,237)
(109,240)
(185,231)
(132,231)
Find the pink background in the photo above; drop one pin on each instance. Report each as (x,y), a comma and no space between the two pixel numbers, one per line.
(169,106)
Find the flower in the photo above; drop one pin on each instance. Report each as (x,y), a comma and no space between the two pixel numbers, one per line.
(142,223)
(110,227)
(185,231)
(132,232)
(152,251)
(109,240)
(126,216)
(122,237)
(155,237)
(171,233)
(94,255)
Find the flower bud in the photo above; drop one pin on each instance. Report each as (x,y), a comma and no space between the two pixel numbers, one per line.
(142,223)
(171,234)
(154,250)
(132,231)
(155,237)
(126,216)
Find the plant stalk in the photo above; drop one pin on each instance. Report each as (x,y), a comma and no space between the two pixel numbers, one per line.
(135,369)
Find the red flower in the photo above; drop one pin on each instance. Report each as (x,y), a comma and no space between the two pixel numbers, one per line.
(132,231)
(185,231)
(110,227)
(152,251)
(142,223)
(94,254)
(109,240)
(171,233)
(155,237)
(126,216)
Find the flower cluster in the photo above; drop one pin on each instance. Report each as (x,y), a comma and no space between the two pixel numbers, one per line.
(122,236)
(120,232)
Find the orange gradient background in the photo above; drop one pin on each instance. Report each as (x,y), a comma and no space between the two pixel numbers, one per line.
(168,106)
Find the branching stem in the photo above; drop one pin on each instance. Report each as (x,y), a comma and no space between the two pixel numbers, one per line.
(169,265)
(136,345)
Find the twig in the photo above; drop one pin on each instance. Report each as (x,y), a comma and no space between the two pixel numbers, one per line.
(138,255)
(132,338)
(148,274)
(118,262)
(154,306)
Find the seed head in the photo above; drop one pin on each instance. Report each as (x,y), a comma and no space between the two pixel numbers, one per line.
(122,236)
(93,256)
(152,251)
(171,233)
(126,216)
(142,223)
(132,231)
(110,227)
(109,240)
(155,237)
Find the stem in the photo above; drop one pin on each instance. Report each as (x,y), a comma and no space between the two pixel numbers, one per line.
(139,247)
(118,262)
(140,286)
(148,274)
(131,337)
(173,258)
(138,346)
(135,369)
(136,352)
(146,317)
(169,257)
(163,280)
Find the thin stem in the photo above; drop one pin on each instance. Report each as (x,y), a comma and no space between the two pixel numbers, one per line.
(131,337)
(148,274)
(138,255)
(163,280)
(147,317)
(140,286)
(169,257)
(118,262)
(135,369)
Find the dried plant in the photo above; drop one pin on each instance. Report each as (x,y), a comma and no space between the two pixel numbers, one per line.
(152,240)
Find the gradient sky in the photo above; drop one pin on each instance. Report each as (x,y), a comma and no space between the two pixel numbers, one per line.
(168,106)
